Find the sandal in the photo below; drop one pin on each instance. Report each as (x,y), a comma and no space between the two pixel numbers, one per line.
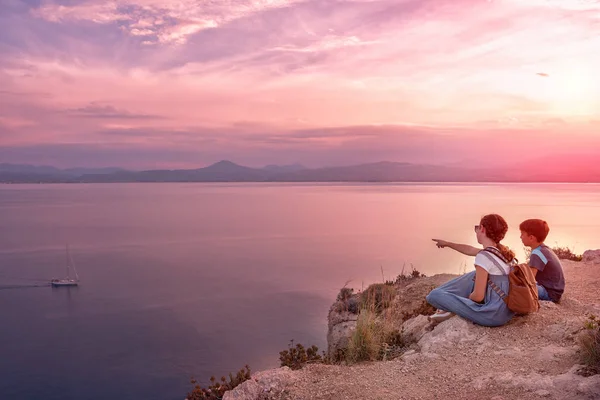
(440,315)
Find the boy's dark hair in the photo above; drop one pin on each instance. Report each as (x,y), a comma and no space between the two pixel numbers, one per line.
(536,227)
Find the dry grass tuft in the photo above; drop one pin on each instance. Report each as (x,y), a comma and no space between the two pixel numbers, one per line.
(590,346)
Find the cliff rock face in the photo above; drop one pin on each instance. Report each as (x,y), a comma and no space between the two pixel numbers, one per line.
(408,302)
(340,326)
(450,334)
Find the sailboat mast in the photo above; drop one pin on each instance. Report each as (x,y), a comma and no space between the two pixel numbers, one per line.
(73,266)
(67,258)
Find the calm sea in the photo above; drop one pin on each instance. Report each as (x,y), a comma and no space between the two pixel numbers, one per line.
(181,280)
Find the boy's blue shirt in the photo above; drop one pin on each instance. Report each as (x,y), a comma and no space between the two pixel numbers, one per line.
(550,273)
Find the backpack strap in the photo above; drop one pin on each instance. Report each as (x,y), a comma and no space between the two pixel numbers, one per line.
(495,287)
(497,253)
(486,253)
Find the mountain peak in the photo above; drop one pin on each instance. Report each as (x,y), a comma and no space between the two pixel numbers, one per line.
(224,163)
(227,167)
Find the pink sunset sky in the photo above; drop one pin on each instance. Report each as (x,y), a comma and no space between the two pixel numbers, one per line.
(185,83)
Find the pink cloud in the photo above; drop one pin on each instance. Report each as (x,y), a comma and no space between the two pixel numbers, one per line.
(190,16)
(456,67)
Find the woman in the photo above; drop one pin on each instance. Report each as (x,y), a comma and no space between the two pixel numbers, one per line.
(470,295)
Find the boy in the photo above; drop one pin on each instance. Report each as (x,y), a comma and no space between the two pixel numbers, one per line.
(545,265)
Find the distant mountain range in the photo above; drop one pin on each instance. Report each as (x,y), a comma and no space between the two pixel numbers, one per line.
(47,170)
(569,169)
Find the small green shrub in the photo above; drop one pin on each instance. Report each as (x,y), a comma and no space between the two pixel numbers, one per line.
(565,253)
(345,293)
(414,273)
(346,301)
(338,356)
(297,356)
(590,346)
(217,389)
(592,322)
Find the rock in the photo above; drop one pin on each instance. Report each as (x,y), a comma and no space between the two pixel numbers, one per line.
(509,352)
(340,324)
(409,353)
(591,256)
(414,329)
(448,334)
(481,382)
(339,334)
(249,390)
(552,353)
(548,305)
(565,386)
(564,330)
(590,387)
(411,357)
(570,302)
(275,379)
(336,317)
(530,382)
(270,381)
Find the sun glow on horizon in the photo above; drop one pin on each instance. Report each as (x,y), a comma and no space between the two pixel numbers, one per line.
(575,89)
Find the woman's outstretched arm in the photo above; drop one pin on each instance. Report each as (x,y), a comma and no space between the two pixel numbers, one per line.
(461,248)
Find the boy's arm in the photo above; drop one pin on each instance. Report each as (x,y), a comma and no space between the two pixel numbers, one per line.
(536,264)
(461,248)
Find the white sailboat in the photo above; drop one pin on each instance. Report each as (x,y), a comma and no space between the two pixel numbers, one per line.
(68,281)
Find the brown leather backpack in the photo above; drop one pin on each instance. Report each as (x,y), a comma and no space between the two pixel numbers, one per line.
(522,297)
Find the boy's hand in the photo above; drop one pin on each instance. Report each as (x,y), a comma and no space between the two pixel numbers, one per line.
(440,243)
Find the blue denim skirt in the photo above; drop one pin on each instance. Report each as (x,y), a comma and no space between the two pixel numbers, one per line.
(453,296)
